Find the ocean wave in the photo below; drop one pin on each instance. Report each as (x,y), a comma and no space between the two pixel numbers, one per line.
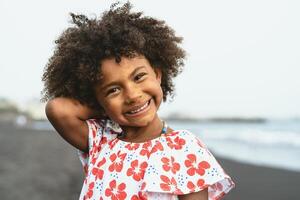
(257,137)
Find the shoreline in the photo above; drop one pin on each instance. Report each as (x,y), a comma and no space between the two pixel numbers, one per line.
(259,182)
(39,164)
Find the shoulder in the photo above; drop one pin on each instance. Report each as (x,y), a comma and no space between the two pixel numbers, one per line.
(182,140)
(103,124)
(184,166)
(100,132)
(99,128)
(180,145)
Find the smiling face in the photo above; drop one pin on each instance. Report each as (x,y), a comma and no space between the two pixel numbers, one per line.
(130,91)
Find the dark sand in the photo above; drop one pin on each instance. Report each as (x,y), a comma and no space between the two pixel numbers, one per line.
(39,165)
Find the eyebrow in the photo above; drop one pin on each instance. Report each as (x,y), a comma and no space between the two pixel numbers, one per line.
(116,82)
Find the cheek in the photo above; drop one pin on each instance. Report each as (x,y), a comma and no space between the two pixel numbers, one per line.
(159,92)
(100,102)
(112,107)
(109,106)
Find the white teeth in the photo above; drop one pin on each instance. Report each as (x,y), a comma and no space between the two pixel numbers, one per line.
(140,109)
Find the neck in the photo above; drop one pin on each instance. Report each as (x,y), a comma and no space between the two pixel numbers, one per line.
(143,133)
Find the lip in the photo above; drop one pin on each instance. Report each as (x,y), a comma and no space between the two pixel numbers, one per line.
(137,107)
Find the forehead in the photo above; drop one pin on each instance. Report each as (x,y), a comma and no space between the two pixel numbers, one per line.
(111,68)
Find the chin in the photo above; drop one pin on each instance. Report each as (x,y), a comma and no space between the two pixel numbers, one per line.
(140,122)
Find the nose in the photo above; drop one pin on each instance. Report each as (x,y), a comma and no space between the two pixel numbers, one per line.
(133,94)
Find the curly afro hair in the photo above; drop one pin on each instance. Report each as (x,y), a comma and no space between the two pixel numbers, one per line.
(75,66)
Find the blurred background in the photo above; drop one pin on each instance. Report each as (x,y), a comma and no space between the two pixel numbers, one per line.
(239,92)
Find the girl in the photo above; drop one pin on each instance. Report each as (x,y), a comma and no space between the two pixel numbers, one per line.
(104,85)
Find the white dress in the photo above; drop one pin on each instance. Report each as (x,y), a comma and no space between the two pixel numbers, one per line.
(159,169)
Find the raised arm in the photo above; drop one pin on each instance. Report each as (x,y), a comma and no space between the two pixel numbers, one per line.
(68,118)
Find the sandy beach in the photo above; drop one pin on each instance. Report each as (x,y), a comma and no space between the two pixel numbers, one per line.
(39,165)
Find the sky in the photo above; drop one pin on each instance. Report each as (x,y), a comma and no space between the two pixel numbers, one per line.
(243,56)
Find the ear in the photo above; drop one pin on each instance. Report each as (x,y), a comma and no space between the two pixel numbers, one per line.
(158,74)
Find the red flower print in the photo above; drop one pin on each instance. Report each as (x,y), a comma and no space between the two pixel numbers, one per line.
(89,193)
(192,186)
(117,161)
(170,164)
(96,148)
(169,185)
(94,159)
(157,146)
(140,196)
(146,149)
(217,187)
(94,131)
(191,163)
(172,133)
(116,192)
(96,171)
(135,197)
(112,143)
(143,186)
(93,150)
(103,140)
(136,171)
(132,146)
(202,166)
(176,144)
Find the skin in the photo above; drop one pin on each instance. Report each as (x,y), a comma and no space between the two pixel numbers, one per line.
(125,87)
(68,118)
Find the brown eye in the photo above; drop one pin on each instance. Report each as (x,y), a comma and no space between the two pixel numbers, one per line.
(140,76)
(112,91)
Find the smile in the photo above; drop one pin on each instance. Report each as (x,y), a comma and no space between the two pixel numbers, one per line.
(140,109)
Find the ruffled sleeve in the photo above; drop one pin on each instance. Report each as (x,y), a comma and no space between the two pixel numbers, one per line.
(185,166)
(95,128)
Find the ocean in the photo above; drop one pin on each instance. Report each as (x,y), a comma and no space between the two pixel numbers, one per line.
(274,143)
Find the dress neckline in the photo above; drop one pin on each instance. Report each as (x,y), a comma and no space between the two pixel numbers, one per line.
(150,140)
